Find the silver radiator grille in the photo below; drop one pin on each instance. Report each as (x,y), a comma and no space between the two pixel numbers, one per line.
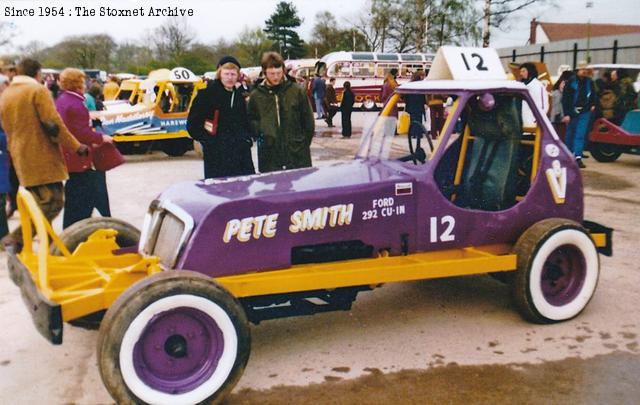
(166,230)
(168,240)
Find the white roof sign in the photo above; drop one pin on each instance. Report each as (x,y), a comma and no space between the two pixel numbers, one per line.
(181,74)
(461,63)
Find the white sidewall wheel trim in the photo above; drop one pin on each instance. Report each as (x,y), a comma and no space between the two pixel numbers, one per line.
(176,337)
(135,330)
(573,308)
(567,246)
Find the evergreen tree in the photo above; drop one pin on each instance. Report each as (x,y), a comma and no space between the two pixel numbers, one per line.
(280,28)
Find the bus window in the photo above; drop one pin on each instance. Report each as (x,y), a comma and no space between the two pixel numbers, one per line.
(362,56)
(340,69)
(387,56)
(383,68)
(411,57)
(363,69)
(407,69)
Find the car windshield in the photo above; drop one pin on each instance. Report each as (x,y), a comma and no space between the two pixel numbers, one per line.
(409,127)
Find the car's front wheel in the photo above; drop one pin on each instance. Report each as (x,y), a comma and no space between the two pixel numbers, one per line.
(176,337)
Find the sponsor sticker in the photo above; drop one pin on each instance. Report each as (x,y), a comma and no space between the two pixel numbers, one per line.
(404,188)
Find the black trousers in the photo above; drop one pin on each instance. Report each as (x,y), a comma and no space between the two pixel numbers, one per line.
(331,111)
(4,226)
(82,193)
(13,192)
(346,123)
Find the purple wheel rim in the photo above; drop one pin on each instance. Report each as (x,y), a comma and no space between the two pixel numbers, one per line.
(178,350)
(563,275)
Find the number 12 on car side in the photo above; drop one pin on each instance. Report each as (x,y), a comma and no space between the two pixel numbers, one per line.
(442,229)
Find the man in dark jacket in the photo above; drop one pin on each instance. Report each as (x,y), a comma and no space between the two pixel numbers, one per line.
(218,120)
(282,118)
(579,100)
(331,102)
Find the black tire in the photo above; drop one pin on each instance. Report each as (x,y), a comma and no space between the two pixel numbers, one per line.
(134,148)
(557,271)
(176,147)
(128,235)
(605,152)
(148,333)
(505,277)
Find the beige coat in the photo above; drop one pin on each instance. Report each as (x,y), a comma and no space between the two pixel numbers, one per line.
(36,157)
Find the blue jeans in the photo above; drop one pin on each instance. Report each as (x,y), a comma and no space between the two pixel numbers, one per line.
(319,107)
(576,135)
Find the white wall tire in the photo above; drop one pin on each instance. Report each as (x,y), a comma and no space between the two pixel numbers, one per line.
(558,269)
(174,338)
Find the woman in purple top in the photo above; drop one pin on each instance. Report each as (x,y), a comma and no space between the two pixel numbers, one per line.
(86,188)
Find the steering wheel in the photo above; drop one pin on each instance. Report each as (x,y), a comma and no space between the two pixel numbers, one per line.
(416,153)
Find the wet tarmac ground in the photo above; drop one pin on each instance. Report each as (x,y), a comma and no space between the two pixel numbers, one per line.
(605,379)
(452,341)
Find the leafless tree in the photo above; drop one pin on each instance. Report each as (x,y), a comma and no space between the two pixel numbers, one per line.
(252,43)
(374,23)
(172,39)
(86,51)
(7,32)
(496,12)
(34,49)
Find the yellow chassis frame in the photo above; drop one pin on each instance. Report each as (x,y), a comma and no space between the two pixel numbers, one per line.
(92,277)
(150,137)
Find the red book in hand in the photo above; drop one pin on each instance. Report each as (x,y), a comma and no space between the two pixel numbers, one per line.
(211,125)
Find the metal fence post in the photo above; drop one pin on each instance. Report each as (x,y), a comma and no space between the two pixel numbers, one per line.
(513,55)
(575,55)
(615,51)
(542,54)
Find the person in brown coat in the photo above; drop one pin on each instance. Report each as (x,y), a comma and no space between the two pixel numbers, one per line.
(35,133)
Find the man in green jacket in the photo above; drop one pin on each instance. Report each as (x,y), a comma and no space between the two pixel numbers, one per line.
(282,118)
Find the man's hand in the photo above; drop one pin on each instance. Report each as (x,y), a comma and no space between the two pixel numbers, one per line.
(566,119)
(83,150)
(107,139)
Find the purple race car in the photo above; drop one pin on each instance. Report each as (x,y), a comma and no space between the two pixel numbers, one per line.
(464,189)
(475,193)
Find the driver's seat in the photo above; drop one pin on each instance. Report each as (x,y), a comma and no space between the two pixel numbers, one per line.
(491,163)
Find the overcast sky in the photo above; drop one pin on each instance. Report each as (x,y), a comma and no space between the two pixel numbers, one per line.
(214,19)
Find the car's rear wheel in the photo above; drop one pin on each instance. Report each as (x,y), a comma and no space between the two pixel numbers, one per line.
(557,272)
(134,148)
(175,337)
(605,152)
(176,147)
(128,235)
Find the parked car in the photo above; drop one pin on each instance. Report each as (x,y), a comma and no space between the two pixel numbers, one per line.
(152,112)
(214,255)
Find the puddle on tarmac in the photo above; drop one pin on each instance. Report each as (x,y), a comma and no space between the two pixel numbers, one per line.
(603,379)
(602,181)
